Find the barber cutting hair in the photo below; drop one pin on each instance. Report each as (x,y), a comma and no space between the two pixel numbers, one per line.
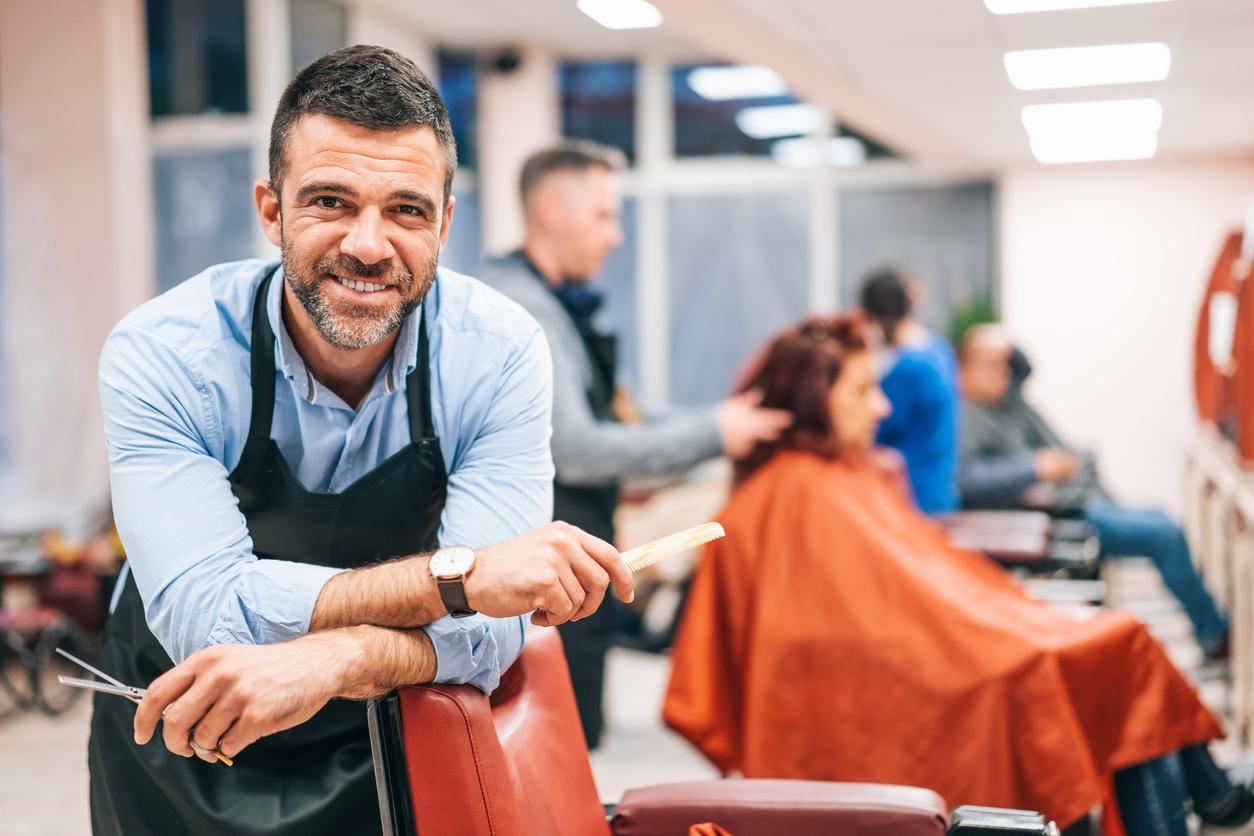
(289,441)
(571,204)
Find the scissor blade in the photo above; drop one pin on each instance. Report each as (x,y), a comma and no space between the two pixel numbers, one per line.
(104,687)
(88,667)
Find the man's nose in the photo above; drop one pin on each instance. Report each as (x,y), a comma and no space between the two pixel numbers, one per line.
(366,240)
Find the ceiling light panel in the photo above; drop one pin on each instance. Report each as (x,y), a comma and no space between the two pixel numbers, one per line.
(1014,7)
(1089,148)
(771,121)
(720,84)
(1088,66)
(622,14)
(804,152)
(1122,117)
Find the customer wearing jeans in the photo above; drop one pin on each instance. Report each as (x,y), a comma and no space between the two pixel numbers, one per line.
(1155,797)
(1011,458)
(1145,532)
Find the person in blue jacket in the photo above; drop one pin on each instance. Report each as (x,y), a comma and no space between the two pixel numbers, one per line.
(920,377)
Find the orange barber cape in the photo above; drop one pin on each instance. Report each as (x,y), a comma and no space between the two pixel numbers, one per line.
(836,634)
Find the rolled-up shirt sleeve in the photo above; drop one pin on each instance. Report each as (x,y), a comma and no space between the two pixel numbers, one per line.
(187,543)
(500,486)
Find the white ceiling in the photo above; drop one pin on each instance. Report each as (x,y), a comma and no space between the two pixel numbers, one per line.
(925,76)
(554,23)
(939,63)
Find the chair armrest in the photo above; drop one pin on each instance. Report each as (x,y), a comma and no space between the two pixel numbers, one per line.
(759,807)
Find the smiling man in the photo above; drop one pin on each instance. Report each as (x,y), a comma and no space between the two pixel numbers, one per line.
(289,442)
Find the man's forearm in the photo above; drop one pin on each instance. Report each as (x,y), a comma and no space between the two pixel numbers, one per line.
(375,660)
(995,481)
(400,594)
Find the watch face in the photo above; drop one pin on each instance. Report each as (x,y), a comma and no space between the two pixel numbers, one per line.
(452,562)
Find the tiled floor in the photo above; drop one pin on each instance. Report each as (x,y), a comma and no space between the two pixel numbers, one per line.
(43,771)
(637,750)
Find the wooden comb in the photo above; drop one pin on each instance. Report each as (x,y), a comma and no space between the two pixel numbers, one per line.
(650,553)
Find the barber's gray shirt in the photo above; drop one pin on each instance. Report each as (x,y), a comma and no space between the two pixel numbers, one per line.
(587,451)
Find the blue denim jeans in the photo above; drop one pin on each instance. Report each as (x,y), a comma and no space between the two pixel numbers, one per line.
(1133,532)
(1153,796)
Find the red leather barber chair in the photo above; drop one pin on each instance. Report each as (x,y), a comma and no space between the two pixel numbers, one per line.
(451,762)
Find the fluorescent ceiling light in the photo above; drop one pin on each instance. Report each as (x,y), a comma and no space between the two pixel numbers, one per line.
(1122,117)
(1076,132)
(1088,66)
(621,14)
(771,121)
(1093,148)
(1014,7)
(720,84)
(841,151)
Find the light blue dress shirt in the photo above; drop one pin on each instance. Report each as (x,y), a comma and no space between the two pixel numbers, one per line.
(176,393)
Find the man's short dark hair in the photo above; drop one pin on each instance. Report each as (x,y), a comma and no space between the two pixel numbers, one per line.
(886,300)
(367,86)
(576,155)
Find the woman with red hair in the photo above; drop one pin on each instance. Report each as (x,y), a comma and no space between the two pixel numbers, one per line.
(837,634)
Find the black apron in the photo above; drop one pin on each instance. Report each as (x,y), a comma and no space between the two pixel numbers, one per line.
(317,777)
(590,507)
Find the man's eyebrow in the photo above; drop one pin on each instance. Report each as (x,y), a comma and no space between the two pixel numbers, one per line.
(424,201)
(324,187)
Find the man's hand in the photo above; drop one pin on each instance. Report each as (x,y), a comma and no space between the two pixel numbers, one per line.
(226,697)
(559,571)
(742,423)
(1054,465)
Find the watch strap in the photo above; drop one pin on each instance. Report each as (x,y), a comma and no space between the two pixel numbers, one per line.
(453,594)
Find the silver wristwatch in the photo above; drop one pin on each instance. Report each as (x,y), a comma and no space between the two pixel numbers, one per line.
(449,567)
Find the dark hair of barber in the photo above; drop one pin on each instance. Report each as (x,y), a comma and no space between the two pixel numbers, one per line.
(886,301)
(796,372)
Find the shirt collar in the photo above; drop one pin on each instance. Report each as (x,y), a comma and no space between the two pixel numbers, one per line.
(288,360)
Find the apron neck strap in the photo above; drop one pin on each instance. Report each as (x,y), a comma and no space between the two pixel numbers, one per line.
(417,383)
(262,358)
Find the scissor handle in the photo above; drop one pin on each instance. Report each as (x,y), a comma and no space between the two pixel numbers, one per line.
(217,756)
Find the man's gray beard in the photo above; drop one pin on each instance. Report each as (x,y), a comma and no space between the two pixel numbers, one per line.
(355,326)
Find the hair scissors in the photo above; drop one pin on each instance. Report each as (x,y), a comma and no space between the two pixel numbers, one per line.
(113,686)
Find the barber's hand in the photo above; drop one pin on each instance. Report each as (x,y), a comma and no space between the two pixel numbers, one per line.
(1054,465)
(229,696)
(559,571)
(742,423)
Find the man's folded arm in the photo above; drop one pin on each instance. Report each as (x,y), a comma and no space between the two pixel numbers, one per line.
(187,542)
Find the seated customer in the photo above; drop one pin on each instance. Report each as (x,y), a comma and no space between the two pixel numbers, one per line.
(1011,458)
(920,379)
(836,634)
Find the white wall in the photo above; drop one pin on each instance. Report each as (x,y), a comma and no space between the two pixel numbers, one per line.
(519,113)
(78,246)
(1102,271)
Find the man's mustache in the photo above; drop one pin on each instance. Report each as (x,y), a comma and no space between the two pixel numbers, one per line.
(348,266)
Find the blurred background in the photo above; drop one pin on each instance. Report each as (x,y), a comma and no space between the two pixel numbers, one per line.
(778,152)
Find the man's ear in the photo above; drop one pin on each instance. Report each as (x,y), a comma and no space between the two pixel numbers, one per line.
(547,205)
(268,214)
(449,206)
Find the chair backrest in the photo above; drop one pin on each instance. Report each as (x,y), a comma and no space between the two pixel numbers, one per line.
(515,765)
